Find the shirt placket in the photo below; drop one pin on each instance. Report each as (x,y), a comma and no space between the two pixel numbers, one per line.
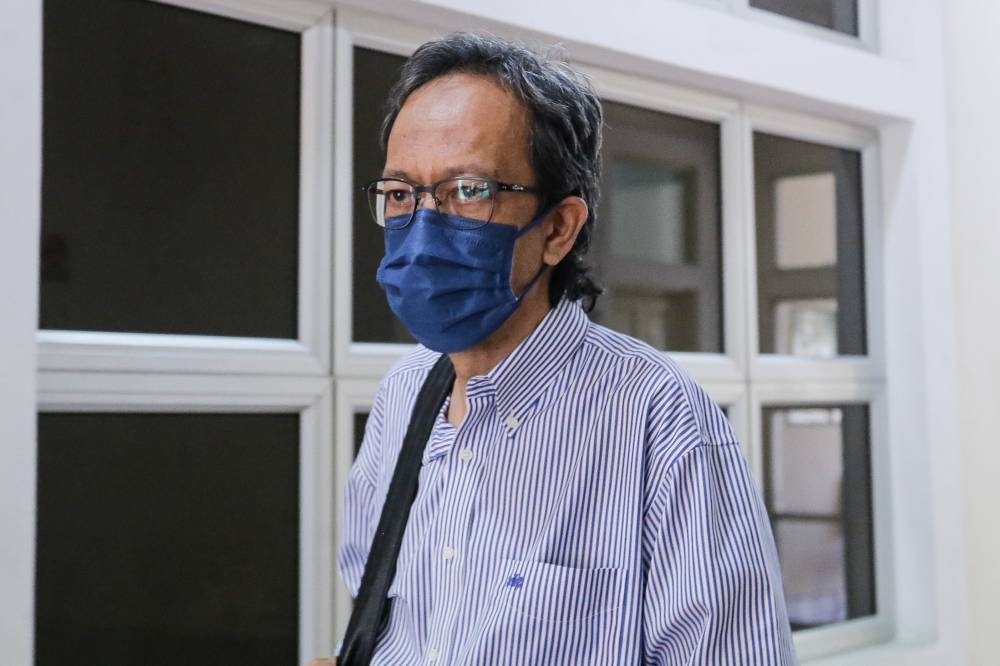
(458,505)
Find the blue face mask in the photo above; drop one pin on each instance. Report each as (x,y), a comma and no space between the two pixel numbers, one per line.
(450,286)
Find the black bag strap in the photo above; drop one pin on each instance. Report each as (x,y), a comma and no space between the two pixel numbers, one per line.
(371,606)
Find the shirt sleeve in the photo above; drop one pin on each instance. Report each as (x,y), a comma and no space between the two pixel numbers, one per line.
(360,514)
(713,590)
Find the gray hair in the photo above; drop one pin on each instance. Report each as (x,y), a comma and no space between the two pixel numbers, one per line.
(564,137)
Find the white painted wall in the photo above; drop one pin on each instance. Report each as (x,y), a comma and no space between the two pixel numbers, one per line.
(972,65)
(20,180)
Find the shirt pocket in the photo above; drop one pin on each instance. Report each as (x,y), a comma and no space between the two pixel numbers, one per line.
(553,615)
(553,593)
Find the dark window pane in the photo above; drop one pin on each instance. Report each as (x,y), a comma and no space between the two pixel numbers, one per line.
(360,420)
(810,250)
(839,15)
(170,176)
(818,494)
(657,244)
(167,539)
(374,74)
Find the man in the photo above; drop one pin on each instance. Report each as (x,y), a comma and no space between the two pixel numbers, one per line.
(581,500)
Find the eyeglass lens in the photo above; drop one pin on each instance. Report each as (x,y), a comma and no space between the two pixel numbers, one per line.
(393,202)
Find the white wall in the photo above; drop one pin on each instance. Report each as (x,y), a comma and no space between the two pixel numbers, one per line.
(972,74)
(20,178)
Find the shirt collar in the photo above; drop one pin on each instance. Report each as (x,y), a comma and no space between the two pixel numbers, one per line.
(519,378)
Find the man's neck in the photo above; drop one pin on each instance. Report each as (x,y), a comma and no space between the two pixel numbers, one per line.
(485,356)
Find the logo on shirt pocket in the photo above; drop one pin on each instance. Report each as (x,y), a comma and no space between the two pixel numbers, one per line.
(554,593)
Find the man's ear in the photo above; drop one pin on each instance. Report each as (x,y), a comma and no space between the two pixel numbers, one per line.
(565,223)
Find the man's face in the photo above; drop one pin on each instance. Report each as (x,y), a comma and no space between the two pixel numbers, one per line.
(467,125)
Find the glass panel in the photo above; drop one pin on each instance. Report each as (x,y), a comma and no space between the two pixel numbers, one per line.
(664,320)
(360,420)
(657,228)
(167,539)
(839,15)
(818,494)
(806,461)
(806,328)
(810,250)
(374,75)
(805,221)
(812,571)
(171,171)
(657,244)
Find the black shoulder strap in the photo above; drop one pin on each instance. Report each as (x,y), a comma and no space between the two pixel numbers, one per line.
(371,605)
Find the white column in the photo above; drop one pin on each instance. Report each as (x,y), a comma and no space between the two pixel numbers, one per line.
(972,66)
(20,174)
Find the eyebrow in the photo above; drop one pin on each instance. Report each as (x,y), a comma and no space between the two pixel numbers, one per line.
(460,170)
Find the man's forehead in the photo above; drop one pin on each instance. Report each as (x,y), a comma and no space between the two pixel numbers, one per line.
(442,97)
(459,125)
(463,107)
(467,168)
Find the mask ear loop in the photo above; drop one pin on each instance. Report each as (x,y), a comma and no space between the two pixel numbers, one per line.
(535,221)
(525,229)
(534,280)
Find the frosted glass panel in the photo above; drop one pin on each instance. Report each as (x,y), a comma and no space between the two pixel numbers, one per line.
(806,461)
(664,320)
(812,571)
(805,216)
(659,212)
(806,328)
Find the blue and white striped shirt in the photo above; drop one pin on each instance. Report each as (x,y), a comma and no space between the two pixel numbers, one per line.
(594,507)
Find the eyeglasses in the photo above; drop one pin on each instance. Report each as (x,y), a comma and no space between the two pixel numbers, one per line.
(394,201)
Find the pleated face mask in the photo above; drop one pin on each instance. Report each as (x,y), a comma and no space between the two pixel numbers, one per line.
(451,286)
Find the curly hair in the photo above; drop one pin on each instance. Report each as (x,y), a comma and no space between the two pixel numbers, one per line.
(564,136)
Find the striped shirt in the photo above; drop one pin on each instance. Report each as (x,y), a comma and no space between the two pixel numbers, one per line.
(594,507)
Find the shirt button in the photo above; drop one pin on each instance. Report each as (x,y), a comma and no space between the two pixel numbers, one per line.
(465,455)
(448,552)
(512,422)
(433,654)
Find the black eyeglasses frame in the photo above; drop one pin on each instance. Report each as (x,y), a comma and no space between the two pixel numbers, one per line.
(495,185)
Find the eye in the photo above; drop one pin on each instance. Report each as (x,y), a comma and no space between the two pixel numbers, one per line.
(398,194)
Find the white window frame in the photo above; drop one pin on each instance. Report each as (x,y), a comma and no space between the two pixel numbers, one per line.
(867,37)
(110,372)
(783,380)
(309,397)
(876,629)
(779,367)
(354,396)
(309,353)
(362,29)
